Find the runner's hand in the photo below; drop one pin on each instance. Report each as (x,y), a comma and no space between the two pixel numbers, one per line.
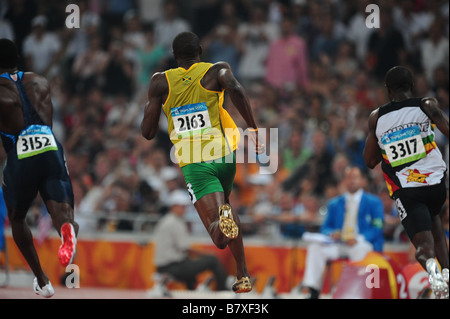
(259,147)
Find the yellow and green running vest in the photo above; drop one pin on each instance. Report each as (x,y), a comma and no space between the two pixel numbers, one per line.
(199,127)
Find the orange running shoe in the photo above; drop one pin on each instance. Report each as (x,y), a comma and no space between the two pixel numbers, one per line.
(69,242)
(227,224)
(242,285)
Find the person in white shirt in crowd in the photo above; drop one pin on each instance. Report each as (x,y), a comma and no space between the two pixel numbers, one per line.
(357,31)
(169,25)
(435,49)
(413,25)
(41,49)
(89,65)
(173,253)
(256,36)
(134,38)
(6,29)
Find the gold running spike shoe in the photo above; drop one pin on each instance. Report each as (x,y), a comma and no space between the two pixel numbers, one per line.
(242,285)
(227,224)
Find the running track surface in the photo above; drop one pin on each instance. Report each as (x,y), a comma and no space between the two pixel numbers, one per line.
(74,293)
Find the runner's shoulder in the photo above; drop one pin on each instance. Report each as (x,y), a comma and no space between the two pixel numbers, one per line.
(373,117)
(429,101)
(220,65)
(158,76)
(35,78)
(158,83)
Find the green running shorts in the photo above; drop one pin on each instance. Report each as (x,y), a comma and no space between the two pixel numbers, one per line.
(209,177)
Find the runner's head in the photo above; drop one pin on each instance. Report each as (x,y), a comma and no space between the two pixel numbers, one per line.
(399,79)
(9,56)
(186,45)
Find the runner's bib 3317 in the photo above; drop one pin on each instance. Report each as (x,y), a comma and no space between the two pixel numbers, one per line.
(34,140)
(404,146)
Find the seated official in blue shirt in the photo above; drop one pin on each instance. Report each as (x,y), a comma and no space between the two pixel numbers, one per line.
(354,226)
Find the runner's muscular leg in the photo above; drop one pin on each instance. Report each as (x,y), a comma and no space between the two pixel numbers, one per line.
(440,242)
(424,244)
(237,246)
(208,210)
(63,221)
(61,213)
(24,240)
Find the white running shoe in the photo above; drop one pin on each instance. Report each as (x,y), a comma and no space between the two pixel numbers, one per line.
(47,291)
(445,274)
(437,282)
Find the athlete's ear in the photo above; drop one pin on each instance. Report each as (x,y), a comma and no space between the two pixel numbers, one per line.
(200,50)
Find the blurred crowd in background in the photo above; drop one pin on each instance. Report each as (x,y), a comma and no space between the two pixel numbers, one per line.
(312,69)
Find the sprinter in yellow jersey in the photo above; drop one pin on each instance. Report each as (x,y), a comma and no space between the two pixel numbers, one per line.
(191,96)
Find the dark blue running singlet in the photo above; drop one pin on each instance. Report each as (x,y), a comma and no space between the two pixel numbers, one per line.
(30,115)
(35,160)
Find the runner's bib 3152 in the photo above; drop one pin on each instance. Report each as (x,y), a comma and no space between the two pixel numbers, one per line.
(404,146)
(34,140)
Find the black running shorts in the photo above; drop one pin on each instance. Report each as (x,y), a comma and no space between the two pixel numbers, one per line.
(417,206)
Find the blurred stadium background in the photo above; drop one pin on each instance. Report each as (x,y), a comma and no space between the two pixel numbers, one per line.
(99,76)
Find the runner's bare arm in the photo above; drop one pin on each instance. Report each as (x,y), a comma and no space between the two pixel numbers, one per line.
(240,100)
(39,92)
(431,108)
(236,93)
(372,152)
(156,91)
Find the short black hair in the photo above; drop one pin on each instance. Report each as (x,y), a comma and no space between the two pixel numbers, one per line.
(399,78)
(186,45)
(9,55)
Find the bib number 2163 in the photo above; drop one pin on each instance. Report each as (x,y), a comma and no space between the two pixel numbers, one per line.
(192,122)
(190,118)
